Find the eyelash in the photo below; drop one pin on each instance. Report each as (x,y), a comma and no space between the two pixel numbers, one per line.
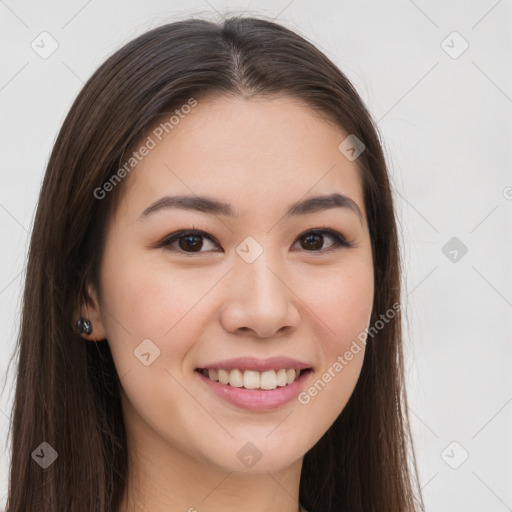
(339,240)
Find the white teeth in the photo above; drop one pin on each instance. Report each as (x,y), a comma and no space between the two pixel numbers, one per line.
(281,377)
(236,378)
(268,380)
(251,379)
(223,377)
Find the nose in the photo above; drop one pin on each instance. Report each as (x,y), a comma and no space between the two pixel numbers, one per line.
(259,301)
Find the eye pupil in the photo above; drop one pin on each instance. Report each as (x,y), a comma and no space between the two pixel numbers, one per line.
(194,246)
(310,240)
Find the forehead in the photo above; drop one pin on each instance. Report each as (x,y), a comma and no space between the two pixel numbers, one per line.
(270,151)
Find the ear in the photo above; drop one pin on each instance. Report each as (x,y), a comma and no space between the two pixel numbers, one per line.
(92,311)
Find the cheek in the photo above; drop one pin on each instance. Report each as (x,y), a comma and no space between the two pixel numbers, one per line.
(150,297)
(342,301)
(147,299)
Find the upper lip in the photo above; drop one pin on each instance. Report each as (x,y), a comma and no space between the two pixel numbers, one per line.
(253,363)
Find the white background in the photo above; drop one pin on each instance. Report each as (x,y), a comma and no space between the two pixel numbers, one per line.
(446,124)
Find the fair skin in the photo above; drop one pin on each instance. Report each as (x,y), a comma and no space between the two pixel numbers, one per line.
(297,299)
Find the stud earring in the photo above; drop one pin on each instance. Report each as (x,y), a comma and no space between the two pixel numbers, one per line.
(84,326)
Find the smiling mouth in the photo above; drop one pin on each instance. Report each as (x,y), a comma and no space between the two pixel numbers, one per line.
(252,379)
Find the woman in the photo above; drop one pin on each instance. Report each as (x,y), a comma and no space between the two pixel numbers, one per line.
(211,316)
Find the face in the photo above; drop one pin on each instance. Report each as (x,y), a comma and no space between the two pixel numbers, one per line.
(184,289)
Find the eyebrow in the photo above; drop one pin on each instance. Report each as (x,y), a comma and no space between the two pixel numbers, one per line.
(212,206)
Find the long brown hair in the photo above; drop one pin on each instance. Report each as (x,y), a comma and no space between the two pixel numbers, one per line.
(67,389)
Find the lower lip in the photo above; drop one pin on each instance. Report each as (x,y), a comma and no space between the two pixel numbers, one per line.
(256,399)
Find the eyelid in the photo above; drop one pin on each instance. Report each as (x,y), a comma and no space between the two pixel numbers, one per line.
(340,241)
(169,239)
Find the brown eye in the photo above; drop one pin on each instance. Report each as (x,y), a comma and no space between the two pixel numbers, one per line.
(188,241)
(313,240)
(192,242)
